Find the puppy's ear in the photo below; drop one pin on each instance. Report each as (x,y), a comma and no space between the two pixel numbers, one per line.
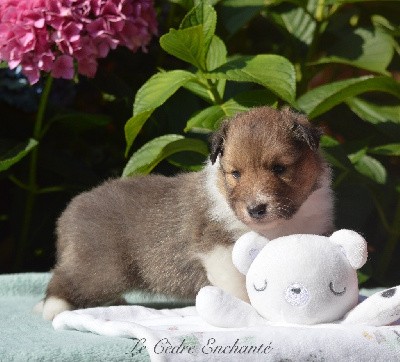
(308,134)
(217,141)
(301,128)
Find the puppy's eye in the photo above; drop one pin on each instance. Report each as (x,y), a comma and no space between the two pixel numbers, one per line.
(261,288)
(278,169)
(236,174)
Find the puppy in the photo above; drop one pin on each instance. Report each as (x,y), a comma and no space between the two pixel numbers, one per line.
(174,235)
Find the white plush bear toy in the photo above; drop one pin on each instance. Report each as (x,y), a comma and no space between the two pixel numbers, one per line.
(299,279)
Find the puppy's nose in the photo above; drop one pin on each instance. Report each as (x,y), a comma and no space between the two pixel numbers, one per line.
(258,211)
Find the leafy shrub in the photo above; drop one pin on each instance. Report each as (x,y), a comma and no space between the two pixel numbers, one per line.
(334,60)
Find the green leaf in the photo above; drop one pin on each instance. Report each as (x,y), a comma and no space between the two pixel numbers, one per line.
(243,3)
(233,18)
(159,88)
(192,40)
(327,141)
(200,88)
(11,155)
(209,119)
(297,22)
(133,127)
(3,65)
(334,153)
(153,152)
(321,99)
(362,277)
(186,44)
(186,4)
(216,55)
(385,25)
(373,113)
(206,120)
(188,161)
(358,155)
(371,168)
(392,149)
(243,101)
(341,2)
(365,49)
(385,118)
(189,4)
(151,95)
(204,15)
(271,71)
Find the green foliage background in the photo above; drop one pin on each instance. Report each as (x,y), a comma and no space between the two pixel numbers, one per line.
(336,60)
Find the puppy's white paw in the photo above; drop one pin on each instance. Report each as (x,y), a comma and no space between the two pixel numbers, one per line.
(53,306)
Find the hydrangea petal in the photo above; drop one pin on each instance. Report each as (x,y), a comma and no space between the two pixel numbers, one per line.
(63,67)
(49,35)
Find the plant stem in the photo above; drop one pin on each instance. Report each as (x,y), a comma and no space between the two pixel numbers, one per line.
(47,190)
(340,178)
(319,11)
(306,76)
(214,91)
(381,212)
(17,182)
(321,21)
(32,187)
(391,244)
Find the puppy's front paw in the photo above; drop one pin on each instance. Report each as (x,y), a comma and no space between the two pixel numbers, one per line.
(53,306)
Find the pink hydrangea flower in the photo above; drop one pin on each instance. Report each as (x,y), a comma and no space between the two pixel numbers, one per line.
(63,67)
(49,35)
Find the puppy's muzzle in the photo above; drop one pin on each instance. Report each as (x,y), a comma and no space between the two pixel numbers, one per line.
(257,211)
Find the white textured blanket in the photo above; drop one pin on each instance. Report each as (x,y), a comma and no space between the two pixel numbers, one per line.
(181,335)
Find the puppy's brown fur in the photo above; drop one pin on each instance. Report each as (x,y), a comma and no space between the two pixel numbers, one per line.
(174,235)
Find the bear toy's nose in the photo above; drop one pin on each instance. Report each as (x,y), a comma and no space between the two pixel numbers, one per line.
(297,295)
(257,211)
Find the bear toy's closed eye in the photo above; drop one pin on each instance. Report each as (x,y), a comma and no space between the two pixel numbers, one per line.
(300,279)
(334,291)
(261,288)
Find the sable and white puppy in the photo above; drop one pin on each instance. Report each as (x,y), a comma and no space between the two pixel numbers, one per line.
(174,235)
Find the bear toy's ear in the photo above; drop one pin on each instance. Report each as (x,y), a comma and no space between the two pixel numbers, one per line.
(246,249)
(354,246)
